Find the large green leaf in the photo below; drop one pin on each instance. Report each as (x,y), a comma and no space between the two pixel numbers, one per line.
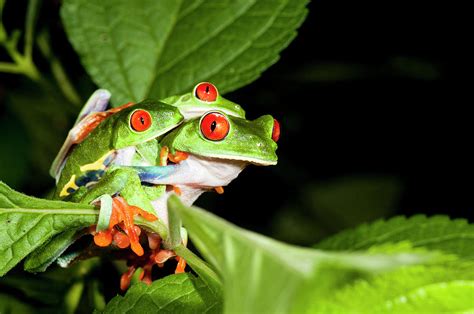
(157,48)
(28,222)
(436,233)
(181,293)
(261,275)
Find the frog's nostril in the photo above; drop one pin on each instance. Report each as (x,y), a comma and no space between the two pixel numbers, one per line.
(276,130)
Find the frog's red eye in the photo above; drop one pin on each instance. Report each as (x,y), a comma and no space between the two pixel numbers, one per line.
(214,126)
(276,130)
(206,92)
(140,120)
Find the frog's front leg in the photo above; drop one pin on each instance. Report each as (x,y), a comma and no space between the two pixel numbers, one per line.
(130,200)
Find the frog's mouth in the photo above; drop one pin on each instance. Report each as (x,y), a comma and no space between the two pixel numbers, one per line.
(252,160)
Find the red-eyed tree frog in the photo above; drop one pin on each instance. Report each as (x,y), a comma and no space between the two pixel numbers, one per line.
(120,152)
(125,136)
(212,150)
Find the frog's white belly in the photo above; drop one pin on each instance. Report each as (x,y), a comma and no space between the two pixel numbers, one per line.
(194,176)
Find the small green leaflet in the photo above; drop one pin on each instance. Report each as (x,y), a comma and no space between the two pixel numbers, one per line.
(28,222)
(181,293)
(148,48)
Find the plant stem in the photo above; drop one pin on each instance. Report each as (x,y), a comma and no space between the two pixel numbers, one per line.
(22,64)
(31,15)
(10,67)
(201,268)
(58,71)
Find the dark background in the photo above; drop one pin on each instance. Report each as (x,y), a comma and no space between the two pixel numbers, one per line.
(368,89)
(372,117)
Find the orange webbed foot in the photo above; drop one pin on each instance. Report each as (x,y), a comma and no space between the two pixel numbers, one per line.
(155,255)
(122,215)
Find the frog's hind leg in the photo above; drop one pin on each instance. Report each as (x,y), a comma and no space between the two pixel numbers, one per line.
(96,104)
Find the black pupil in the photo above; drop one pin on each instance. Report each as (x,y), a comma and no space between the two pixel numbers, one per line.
(142,120)
(213,125)
(207,89)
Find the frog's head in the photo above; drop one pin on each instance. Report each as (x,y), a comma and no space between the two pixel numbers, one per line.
(203,98)
(144,121)
(221,136)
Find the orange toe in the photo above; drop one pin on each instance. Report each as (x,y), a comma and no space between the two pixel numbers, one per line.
(181,265)
(103,238)
(126,278)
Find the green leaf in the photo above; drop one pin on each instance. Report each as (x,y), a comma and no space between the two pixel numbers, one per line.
(417,289)
(263,275)
(454,296)
(149,48)
(436,233)
(182,293)
(28,222)
(174,223)
(204,271)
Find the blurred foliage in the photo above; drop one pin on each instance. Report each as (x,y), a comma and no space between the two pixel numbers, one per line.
(17,171)
(330,206)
